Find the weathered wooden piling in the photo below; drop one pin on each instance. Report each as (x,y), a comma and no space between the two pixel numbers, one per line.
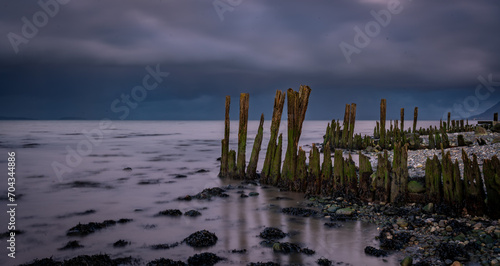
(495,117)
(383,109)
(254,157)
(460,140)
(448,121)
(453,191)
(326,172)
(297,106)
(242,136)
(279,101)
(402,120)
(491,171)
(225,142)
(365,172)
(352,120)
(338,171)
(381,185)
(473,184)
(275,171)
(231,164)
(345,132)
(433,180)
(300,181)
(314,184)
(399,182)
(432,143)
(415,117)
(351,177)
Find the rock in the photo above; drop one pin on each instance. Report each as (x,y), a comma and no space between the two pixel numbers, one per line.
(369,149)
(415,187)
(496,128)
(496,140)
(205,258)
(253,194)
(442,223)
(345,211)
(375,252)
(201,238)
(127,169)
(192,213)
(429,208)
(449,229)
(456,263)
(479,131)
(477,226)
(408,261)
(170,212)
(272,233)
(333,209)
(402,222)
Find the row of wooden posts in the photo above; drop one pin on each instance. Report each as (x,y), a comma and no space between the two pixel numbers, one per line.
(341,177)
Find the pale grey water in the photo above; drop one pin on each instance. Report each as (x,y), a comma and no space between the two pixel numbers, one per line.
(157,150)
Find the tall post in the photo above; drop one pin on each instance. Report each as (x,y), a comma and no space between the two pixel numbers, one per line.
(402,120)
(242,135)
(352,120)
(415,116)
(279,101)
(225,141)
(495,117)
(254,158)
(448,123)
(383,107)
(345,132)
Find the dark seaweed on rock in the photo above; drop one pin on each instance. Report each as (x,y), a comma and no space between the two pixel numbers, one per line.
(207,193)
(238,251)
(192,213)
(287,247)
(393,241)
(459,227)
(299,211)
(333,225)
(85,229)
(101,259)
(269,263)
(43,262)
(451,251)
(201,238)
(121,243)
(205,258)
(375,252)
(165,262)
(324,262)
(170,212)
(7,234)
(165,246)
(272,233)
(72,245)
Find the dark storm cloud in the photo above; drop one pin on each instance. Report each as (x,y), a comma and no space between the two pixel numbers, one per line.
(90,53)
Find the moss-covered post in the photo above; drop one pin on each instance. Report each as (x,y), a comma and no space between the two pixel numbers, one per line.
(279,101)
(432,143)
(402,120)
(460,140)
(381,185)
(491,171)
(351,177)
(301,178)
(345,132)
(453,191)
(365,171)
(399,182)
(254,158)
(231,163)
(338,171)
(473,184)
(415,117)
(448,122)
(242,136)
(297,106)
(383,108)
(433,180)
(225,142)
(314,177)
(352,120)
(275,171)
(337,135)
(326,172)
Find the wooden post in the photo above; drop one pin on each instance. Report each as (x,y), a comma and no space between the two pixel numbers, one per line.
(301,179)
(495,117)
(415,116)
(402,121)
(491,171)
(326,172)
(337,135)
(231,164)
(453,193)
(242,135)
(254,158)
(448,123)
(399,182)
(365,172)
(314,184)
(338,171)
(473,184)
(279,101)
(351,177)
(381,185)
(352,120)
(225,141)
(432,143)
(382,123)
(275,174)
(433,180)
(345,133)
(460,140)
(297,106)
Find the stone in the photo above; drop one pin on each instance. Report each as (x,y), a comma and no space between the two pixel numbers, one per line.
(415,187)
(496,128)
(442,223)
(449,228)
(345,211)
(333,209)
(402,222)
(496,139)
(429,208)
(456,263)
(408,261)
(480,131)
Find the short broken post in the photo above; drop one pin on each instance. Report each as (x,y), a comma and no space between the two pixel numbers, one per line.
(254,158)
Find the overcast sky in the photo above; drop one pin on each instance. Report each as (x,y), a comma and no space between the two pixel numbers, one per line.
(84,58)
